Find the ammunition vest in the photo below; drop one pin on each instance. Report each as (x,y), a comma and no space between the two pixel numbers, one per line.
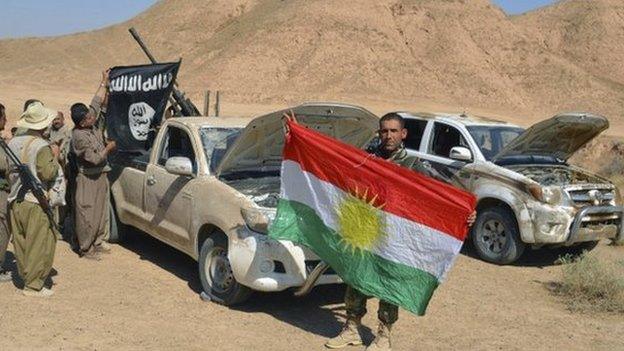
(26,148)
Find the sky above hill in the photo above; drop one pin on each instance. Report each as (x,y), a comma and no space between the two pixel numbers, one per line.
(28,18)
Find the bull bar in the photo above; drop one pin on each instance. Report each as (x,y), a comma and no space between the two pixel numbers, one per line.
(584,212)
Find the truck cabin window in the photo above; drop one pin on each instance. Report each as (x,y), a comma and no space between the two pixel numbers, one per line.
(415,130)
(177,143)
(492,139)
(445,138)
(216,142)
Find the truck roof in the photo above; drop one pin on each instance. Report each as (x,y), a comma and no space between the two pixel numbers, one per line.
(224,122)
(461,118)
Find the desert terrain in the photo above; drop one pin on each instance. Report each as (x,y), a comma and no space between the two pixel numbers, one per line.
(145,296)
(385,55)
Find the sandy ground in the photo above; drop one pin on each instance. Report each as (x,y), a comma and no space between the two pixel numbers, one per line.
(145,295)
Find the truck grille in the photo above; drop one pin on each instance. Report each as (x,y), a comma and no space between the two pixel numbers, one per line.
(597,222)
(592,197)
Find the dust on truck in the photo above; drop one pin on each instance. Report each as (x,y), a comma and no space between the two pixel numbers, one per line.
(210,187)
(528,194)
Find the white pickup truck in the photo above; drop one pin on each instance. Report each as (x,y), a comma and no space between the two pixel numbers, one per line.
(210,188)
(528,195)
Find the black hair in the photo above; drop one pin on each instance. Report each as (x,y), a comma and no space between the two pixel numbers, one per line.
(30,101)
(392,116)
(2,115)
(78,112)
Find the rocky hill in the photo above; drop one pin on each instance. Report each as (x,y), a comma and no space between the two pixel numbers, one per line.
(454,52)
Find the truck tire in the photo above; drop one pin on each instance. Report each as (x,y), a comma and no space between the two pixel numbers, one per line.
(496,236)
(216,274)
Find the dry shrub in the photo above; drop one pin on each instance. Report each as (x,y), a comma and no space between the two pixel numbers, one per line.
(592,285)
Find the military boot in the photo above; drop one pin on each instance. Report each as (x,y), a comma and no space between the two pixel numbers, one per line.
(350,335)
(382,340)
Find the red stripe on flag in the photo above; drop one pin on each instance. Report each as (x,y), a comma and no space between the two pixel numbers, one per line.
(402,192)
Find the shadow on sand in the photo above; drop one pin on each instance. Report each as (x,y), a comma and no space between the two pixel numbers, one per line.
(164,256)
(313,313)
(539,258)
(11,265)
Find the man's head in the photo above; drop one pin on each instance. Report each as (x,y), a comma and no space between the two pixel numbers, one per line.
(36,118)
(392,132)
(2,117)
(82,116)
(28,102)
(58,121)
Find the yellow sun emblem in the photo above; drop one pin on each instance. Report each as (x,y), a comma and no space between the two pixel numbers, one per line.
(361,224)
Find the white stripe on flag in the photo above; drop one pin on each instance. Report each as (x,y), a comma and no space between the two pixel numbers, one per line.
(408,243)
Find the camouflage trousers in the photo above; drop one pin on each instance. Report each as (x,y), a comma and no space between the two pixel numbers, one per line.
(355,304)
(5,234)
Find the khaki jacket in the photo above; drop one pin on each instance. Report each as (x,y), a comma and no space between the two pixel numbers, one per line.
(401,158)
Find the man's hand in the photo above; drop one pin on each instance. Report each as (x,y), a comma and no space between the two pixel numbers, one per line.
(55,151)
(111,145)
(289,117)
(105,78)
(472,218)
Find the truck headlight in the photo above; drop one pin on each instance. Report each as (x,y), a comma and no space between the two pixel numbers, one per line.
(258,219)
(549,195)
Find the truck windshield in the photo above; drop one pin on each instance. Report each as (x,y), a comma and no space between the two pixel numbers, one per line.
(492,139)
(216,142)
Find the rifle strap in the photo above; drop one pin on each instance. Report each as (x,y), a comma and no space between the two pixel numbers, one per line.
(25,151)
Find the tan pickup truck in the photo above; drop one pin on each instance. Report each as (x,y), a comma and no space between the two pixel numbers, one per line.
(210,188)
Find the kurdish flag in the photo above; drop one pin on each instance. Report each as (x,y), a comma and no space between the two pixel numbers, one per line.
(386,230)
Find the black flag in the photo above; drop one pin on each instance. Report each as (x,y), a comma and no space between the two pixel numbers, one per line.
(137,99)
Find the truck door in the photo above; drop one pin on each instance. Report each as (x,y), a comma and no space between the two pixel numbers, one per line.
(442,139)
(168,197)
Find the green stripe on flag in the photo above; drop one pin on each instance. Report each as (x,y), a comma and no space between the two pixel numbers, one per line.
(372,275)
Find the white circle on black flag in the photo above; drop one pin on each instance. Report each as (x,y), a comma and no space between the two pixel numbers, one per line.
(137,99)
(140,117)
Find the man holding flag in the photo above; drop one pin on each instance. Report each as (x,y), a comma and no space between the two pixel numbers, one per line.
(388,232)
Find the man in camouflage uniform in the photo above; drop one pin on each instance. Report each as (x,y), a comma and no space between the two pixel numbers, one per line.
(34,239)
(392,132)
(5,274)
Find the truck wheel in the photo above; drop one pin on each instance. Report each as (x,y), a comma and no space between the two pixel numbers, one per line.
(496,237)
(117,230)
(216,274)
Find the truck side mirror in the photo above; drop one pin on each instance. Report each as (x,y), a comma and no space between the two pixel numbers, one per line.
(179,165)
(461,153)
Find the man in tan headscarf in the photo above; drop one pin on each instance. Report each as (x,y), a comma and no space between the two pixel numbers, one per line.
(59,133)
(91,195)
(34,239)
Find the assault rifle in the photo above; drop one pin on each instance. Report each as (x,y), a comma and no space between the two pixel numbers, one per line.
(181,104)
(29,182)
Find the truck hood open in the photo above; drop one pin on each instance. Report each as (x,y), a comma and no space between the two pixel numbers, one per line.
(259,147)
(559,137)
